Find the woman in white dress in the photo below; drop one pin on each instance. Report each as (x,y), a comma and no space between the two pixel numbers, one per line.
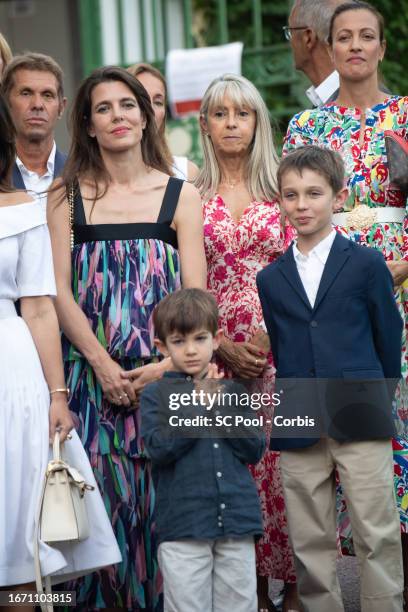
(33,398)
(155,84)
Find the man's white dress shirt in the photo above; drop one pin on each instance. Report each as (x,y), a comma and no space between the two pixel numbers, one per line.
(36,183)
(311,266)
(325,91)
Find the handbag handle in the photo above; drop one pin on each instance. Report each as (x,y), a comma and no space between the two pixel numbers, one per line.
(44,586)
(56,447)
(397,139)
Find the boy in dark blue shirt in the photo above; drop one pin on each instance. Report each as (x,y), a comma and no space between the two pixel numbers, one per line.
(207,507)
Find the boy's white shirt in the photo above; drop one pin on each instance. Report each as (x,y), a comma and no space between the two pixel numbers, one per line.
(311,266)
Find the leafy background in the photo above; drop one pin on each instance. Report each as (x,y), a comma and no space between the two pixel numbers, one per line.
(271,67)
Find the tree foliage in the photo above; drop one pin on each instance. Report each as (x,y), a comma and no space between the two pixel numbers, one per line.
(271,67)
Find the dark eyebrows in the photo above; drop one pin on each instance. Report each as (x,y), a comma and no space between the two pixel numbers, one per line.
(53,92)
(348,31)
(126,99)
(308,187)
(175,336)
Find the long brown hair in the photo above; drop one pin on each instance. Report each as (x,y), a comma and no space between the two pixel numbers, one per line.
(84,158)
(140,68)
(7,147)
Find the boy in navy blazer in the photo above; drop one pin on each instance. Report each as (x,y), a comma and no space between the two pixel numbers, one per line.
(330,313)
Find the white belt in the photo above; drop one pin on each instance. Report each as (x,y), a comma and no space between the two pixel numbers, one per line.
(362,216)
(7,309)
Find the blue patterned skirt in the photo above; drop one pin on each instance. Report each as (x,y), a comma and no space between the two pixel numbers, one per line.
(111,437)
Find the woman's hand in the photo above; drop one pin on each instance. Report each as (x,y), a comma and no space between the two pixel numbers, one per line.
(399,271)
(140,377)
(60,417)
(261,340)
(117,390)
(244,358)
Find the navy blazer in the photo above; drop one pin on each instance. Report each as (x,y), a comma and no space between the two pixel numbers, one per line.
(351,335)
(17,179)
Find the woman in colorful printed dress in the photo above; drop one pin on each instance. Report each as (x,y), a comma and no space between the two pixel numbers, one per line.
(243,232)
(375,213)
(133,229)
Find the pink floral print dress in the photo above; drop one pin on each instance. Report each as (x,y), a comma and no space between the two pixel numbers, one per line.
(236,251)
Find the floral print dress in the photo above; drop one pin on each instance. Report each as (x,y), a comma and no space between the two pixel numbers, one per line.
(367,174)
(236,252)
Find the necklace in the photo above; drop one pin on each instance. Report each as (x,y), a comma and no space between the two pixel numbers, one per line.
(231,184)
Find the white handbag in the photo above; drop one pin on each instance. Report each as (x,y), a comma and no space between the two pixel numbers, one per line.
(62,511)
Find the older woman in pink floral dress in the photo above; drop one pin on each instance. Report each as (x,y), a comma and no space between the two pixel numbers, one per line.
(243,232)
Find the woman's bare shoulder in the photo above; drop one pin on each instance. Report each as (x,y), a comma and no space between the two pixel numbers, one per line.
(190,190)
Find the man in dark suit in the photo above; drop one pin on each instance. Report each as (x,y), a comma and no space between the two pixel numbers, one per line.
(33,86)
(335,333)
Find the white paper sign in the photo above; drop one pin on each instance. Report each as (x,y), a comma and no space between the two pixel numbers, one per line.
(190,71)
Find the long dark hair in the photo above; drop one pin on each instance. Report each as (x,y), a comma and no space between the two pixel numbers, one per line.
(7,146)
(84,158)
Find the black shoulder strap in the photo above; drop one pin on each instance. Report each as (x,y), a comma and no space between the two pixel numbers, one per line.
(170,200)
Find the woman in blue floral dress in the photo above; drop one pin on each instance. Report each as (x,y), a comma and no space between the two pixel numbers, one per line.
(136,236)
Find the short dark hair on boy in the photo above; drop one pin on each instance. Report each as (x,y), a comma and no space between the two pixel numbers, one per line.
(325,162)
(185,311)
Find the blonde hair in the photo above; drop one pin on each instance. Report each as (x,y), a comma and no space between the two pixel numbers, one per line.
(262,159)
(5,51)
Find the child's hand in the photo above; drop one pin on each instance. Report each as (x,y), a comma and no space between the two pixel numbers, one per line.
(213,371)
(143,375)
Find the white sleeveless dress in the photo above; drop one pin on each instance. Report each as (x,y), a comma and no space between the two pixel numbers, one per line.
(180,167)
(26,269)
